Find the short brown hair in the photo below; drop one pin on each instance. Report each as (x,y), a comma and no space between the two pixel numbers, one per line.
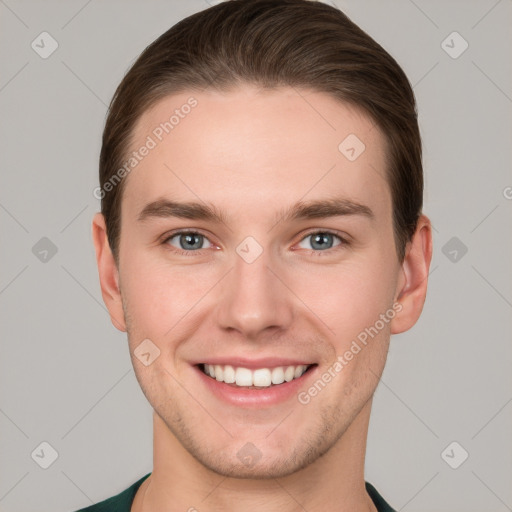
(272,43)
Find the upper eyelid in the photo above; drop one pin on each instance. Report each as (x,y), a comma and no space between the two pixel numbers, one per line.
(327,231)
(172,234)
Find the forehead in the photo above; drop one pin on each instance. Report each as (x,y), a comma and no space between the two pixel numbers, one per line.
(248,149)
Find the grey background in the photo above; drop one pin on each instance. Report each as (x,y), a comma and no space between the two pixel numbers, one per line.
(65,374)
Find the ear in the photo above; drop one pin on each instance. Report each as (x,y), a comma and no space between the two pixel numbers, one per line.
(412,282)
(108,273)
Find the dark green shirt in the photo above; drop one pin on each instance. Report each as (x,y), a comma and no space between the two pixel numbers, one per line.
(122,502)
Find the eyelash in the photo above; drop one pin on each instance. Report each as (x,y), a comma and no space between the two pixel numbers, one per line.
(343,242)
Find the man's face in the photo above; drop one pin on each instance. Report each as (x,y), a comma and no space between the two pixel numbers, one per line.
(262,288)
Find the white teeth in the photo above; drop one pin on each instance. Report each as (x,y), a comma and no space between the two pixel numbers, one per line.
(278,375)
(243,377)
(219,373)
(289,373)
(229,374)
(299,370)
(262,377)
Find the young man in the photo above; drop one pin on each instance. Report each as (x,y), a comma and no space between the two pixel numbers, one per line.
(261,237)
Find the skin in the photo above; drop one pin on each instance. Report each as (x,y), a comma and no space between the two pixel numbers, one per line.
(254,153)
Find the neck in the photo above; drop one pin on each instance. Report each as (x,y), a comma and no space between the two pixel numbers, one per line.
(335,481)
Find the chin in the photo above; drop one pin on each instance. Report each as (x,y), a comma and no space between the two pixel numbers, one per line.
(261,470)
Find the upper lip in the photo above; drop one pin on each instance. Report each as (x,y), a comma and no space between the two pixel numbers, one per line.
(264,362)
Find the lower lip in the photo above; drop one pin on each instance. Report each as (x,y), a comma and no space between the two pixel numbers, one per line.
(256,398)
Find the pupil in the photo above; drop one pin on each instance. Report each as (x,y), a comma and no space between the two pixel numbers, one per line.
(193,241)
(322,239)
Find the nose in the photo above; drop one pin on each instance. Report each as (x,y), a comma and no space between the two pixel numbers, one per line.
(254,300)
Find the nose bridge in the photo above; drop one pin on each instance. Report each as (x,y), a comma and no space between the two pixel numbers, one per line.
(252,298)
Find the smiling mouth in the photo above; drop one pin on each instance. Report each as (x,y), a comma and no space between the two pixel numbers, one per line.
(259,378)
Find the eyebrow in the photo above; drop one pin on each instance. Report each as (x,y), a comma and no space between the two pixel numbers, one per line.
(318,209)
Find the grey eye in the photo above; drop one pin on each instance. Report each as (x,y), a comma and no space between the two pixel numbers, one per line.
(188,241)
(320,240)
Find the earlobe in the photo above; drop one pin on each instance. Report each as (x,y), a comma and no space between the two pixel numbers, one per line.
(412,283)
(108,273)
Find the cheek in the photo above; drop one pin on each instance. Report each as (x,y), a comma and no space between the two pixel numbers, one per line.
(158,294)
(353,297)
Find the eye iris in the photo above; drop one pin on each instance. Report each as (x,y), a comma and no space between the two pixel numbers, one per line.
(194,239)
(322,241)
